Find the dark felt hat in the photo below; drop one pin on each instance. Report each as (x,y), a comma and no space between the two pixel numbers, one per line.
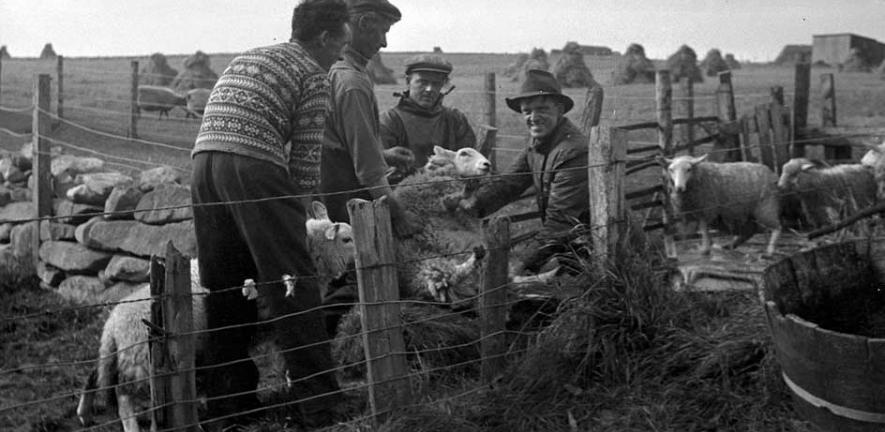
(539,83)
(382,7)
(428,63)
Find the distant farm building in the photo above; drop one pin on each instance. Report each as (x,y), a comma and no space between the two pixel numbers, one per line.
(793,54)
(835,49)
(589,50)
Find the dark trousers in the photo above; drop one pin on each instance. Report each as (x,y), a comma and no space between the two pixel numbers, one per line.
(260,240)
(339,183)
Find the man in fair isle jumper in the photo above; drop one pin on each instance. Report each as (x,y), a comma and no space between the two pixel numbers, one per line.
(256,160)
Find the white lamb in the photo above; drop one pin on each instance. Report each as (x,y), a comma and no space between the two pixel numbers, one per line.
(828,193)
(123,366)
(735,196)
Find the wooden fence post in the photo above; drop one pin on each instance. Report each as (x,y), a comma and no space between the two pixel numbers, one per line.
(387,369)
(592,108)
(491,113)
(133,102)
(40,126)
(777,94)
(828,107)
(60,107)
(726,148)
(800,99)
(664,100)
(686,93)
(606,160)
(1,81)
(173,382)
(493,298)
(485,143)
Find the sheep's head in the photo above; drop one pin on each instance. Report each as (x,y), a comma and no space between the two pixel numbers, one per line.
(874,155)
(679,171)
(331,242)
(790,172)
(465,162)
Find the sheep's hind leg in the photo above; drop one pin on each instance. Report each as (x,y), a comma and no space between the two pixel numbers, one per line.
(126,411)
(769,251)
(87,400)
(706,243)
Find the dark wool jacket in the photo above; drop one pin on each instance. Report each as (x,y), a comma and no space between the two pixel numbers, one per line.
(557,168)
(417,128)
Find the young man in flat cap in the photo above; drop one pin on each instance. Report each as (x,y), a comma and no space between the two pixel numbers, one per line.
(419,121)
(554,162)
(353,164)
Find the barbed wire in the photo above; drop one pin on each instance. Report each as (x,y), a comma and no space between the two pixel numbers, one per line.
(55,116)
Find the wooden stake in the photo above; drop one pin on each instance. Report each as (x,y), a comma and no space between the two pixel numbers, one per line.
(491,113)
(606,160)
(664,99)
(493,298)
(686,92)
(40,126)
(828,107)
(60,107)
(133,102)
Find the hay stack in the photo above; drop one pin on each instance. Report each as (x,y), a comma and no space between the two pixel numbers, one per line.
(856,62)
(732,63)
(4,53)
(48,52)
(537,60)
(196,74)
(570,69)
(514,68)
(157,71)
(713,63)
(684,63)
(380,74)
(880,70)
(634,67)
(791,54)
(437,50)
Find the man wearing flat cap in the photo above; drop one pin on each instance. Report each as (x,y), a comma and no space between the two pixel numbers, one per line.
(352,163)
(419,121)
(554,162)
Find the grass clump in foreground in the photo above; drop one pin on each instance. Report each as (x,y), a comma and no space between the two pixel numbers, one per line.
(630,354)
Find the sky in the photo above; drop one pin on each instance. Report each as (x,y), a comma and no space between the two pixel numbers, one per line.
(754,30)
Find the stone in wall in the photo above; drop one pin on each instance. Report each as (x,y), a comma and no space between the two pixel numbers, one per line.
(49,276)
(94,188)
(56,231)
(21,194)
(10,172)
(22,239)
(18,211)
(122,200)
(74,165)
(5,196)
(150,179)
(5,230)
(140,239)
(126,268)
(165,204)
(74,257)
(72,213)
(81,289)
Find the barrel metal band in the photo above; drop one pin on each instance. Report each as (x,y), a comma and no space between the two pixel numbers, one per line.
(839,410)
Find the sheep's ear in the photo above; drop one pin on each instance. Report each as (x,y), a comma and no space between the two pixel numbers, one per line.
(807,166)
(390,171)
(665,161)
(332,231)
(439,151)
(699,159)
(319,211)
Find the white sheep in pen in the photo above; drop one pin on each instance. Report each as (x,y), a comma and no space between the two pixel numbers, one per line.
(157,98)
(828,193)
(123,366)
(735,196)
(195,101)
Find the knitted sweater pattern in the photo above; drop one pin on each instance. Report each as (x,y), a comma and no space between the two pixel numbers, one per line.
(270,104)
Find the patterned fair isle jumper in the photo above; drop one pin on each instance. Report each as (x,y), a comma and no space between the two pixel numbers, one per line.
(267,98)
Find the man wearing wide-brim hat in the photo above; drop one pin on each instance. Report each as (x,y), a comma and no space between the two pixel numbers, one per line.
(554,162)
(420,121)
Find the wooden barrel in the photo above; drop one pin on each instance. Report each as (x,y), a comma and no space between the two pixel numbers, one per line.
(837,378)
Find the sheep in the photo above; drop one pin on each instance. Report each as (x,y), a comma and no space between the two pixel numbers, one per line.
(156,98)
(123,363)
(874,159)
(826,193)
(195,101)
(427,269)
(739,195)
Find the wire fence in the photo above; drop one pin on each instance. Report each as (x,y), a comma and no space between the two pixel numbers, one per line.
(421,367)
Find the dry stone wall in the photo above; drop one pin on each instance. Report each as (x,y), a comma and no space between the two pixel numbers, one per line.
(106,224)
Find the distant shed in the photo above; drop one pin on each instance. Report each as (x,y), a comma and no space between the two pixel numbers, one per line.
(834,48)
(589,50)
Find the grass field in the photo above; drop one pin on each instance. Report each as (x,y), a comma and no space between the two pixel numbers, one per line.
(639,371)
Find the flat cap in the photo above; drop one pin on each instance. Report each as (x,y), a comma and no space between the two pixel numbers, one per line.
(382,7)
(428,63)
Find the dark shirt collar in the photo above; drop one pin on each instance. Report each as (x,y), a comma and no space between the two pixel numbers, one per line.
(354,57)
(544,145)
(408,105)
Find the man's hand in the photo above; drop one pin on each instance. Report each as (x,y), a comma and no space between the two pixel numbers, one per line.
(457,202)
(399,156)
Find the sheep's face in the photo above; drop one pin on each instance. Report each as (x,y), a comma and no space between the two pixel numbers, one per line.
(790,172)
(467,162)
(330,241)
(680,170)
(874,155)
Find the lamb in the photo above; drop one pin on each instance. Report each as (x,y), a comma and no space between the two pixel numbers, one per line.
(123,363)
(827,193)
(874,159)
(739,195)
(195,101)
(156,98)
